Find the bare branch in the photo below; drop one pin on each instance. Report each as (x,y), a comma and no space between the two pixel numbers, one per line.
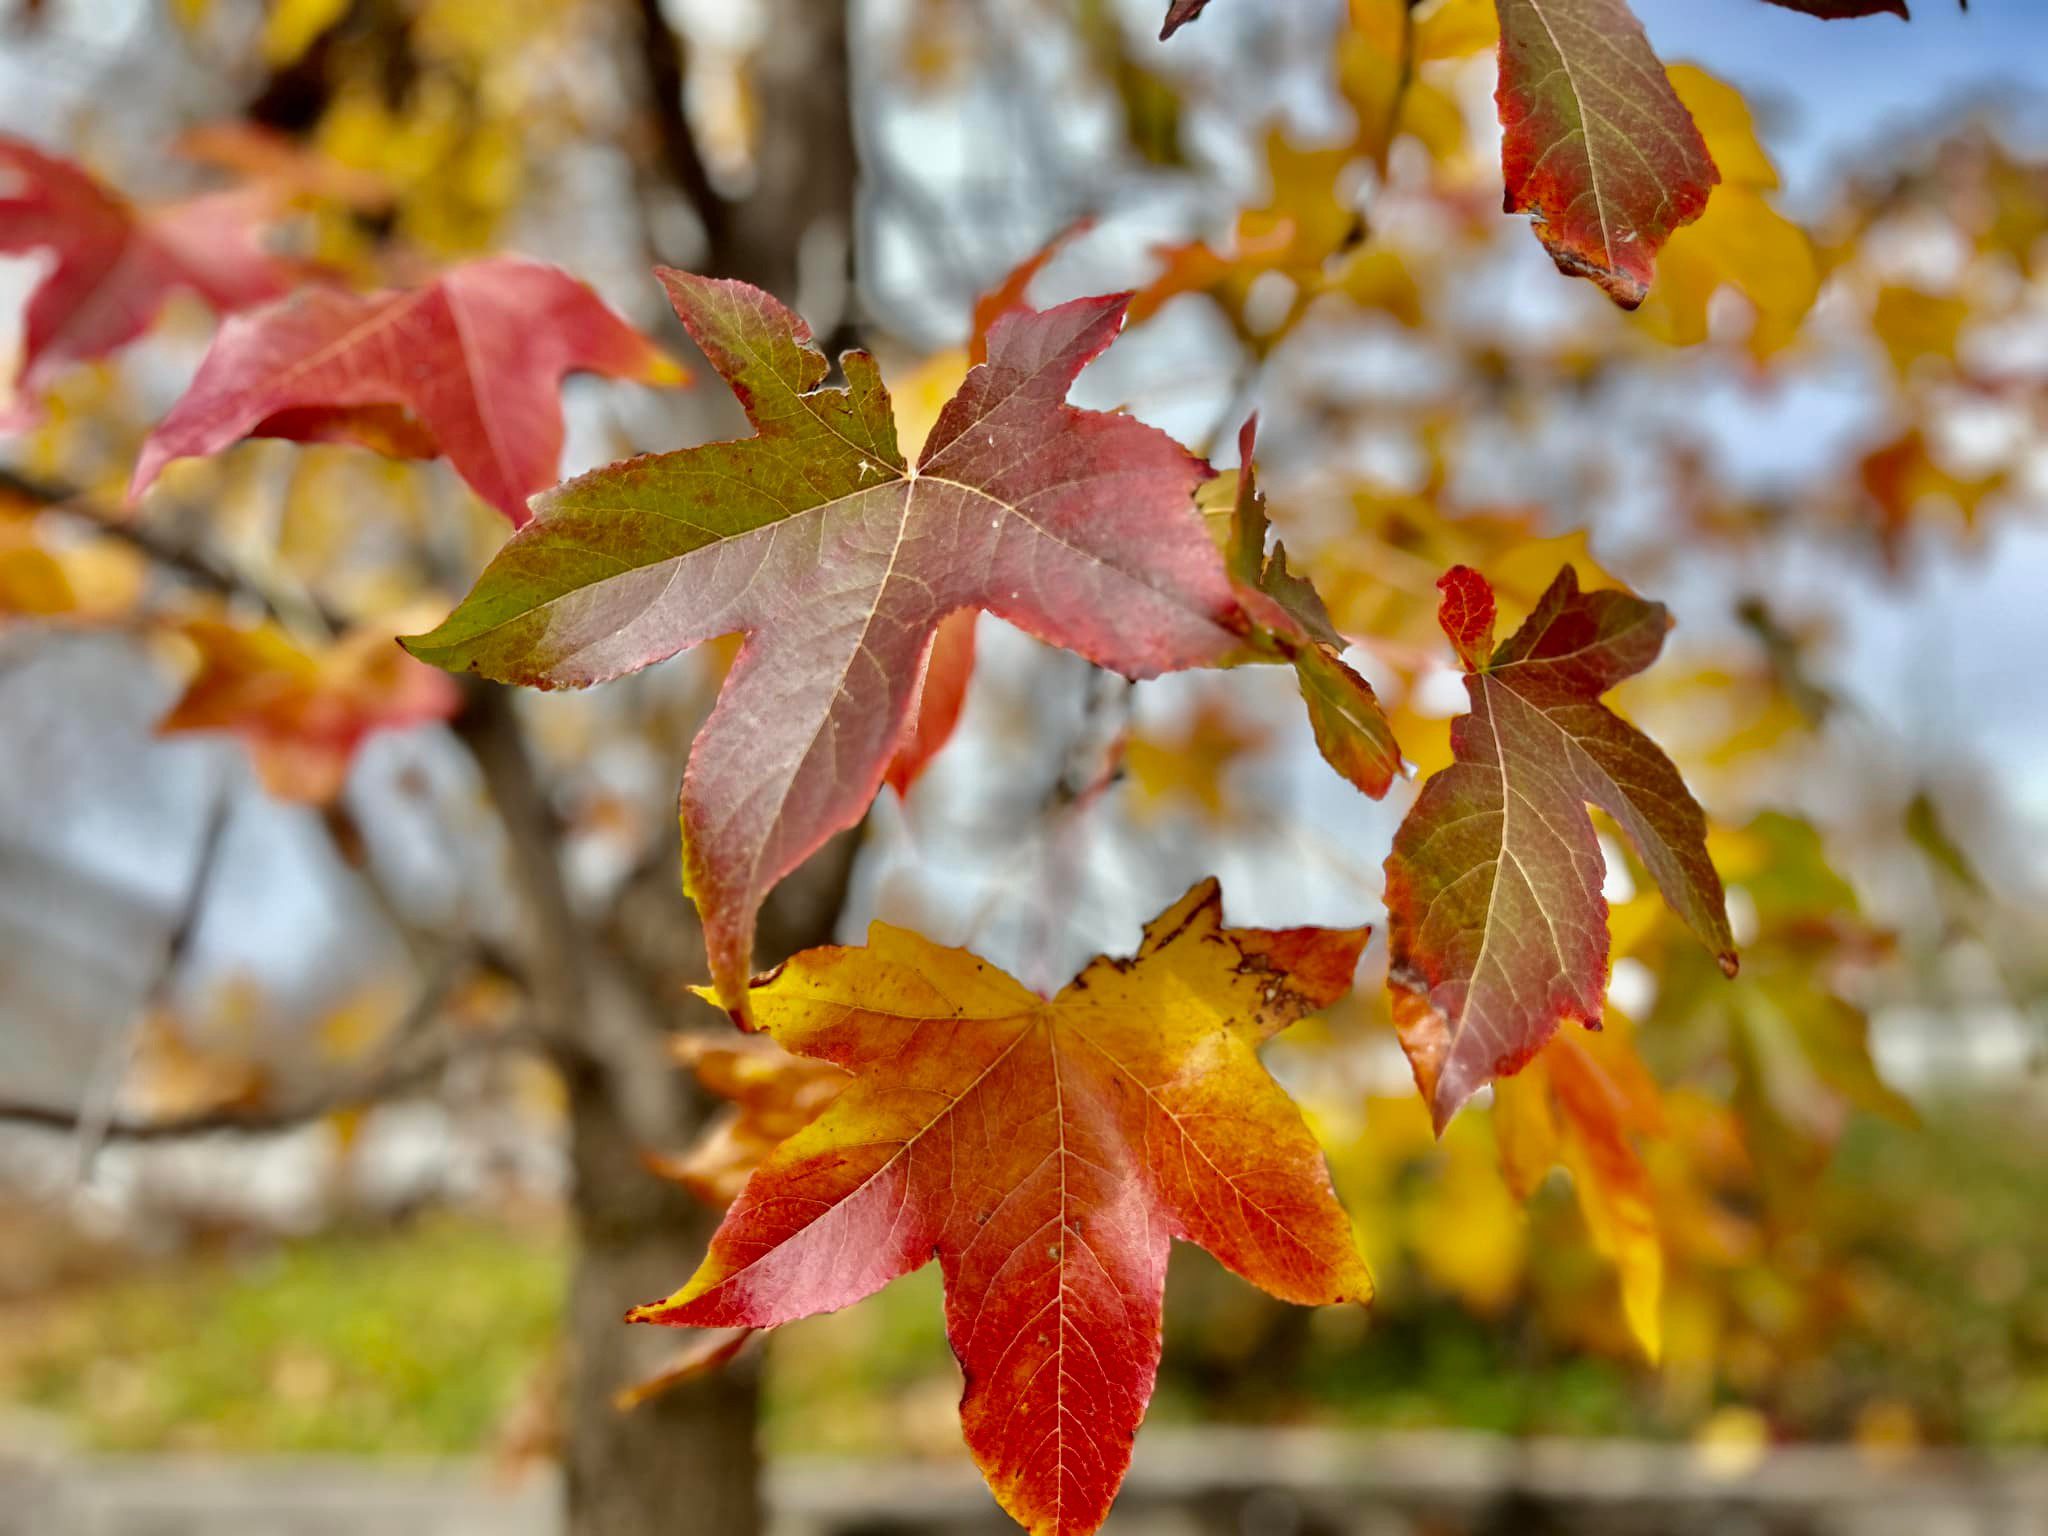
(406,1070)
(97,1113)
(200,567)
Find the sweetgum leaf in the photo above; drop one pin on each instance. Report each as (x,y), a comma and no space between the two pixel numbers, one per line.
(468,368)
(1596,143)
(1497,928)
(838,562)
(1179,14)
(115,265)
(1289,622)
(303,713)
(1045,1151)
(1582,1104)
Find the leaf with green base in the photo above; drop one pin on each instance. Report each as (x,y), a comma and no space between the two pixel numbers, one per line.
(838,561)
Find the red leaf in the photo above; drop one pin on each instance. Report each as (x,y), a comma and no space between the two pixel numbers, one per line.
(115,265)
(1466,614)
(468,367)
(1009,296)
(941,695)
(1045,1152)
(1179,14)
(838,562)
(1596,142)
(1497,929)
(950,667)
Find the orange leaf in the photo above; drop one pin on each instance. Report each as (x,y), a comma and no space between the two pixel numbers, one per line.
(1045,1151)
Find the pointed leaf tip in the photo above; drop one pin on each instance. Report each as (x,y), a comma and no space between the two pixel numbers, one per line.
(1466,613)
(1595,142)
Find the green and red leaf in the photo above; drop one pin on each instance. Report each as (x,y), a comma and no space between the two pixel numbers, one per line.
(839,562)
(1497,926)
(1596,143)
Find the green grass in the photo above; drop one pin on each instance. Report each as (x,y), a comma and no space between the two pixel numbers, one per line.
(421,1340)
(410,1341)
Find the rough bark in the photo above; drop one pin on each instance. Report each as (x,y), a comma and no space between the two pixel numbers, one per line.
(686,1463)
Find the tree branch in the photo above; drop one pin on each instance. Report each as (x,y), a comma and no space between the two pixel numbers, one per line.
(200,567)
(403,1072)
(665,69)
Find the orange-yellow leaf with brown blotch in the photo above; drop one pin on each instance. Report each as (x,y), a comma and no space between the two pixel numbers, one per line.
(1045,1151)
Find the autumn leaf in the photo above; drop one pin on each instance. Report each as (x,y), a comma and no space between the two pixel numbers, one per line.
(1596,143)
(1741,241)
(772,1095)
(1906,482)
(1581,1104)
(1798,1042)
(115,265)
(302,712)
(1289,622)
(467,368)
(1497,929)
(1044,1151)
(1304,230)
(1179,14)
(1384,58)
(1190,767)
(942,691)
(839,562)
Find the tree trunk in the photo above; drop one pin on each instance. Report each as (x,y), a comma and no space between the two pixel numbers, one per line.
(687,1463)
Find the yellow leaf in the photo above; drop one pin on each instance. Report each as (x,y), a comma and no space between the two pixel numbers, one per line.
(1740,242)
(292,27)
(1914,324)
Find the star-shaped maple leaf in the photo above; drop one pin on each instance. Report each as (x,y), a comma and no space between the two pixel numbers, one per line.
(838,562)
(468,367)
(1497,929)
(1045,1151)
(115,265)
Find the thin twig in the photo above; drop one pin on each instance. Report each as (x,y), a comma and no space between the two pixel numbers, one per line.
(201,568)
(403,1072)
(103,1089)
